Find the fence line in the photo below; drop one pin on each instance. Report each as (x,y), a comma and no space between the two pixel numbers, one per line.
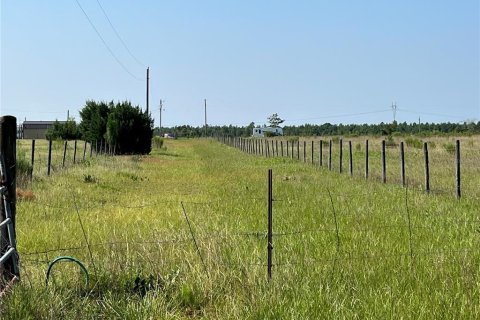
(77,155)
(269,235)
(241,143)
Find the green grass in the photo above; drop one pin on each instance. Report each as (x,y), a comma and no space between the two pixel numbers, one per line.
(145,265)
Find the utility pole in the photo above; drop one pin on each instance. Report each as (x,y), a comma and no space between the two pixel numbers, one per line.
(160,126)
(205,117)
(68,114)
(148,80)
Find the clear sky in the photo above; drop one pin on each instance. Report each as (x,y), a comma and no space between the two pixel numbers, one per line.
(309,61)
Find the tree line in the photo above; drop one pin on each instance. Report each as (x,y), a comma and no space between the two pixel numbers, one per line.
(328,129)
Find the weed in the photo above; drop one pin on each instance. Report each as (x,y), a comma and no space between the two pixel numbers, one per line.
(449,147)
(414,142)
(88,178)
(158,143)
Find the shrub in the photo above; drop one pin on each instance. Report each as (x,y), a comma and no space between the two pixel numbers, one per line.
(390,142)
(158,143)
(414,142)
(269,134)
(449,147)
(24,169)
(88,178)
(130,129)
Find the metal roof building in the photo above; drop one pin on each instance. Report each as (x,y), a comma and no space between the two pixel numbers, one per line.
(36,129)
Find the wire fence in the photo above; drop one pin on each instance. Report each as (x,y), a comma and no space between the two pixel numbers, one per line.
(442,167)
(320,238)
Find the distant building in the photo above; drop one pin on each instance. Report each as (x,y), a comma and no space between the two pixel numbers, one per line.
(260,132)
(36,129)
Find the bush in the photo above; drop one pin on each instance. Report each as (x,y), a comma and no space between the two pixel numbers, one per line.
(24,169)
(130,129)
(414,142)
(449,147)
(269,134)
(158,143)
(63,131)
(390,142)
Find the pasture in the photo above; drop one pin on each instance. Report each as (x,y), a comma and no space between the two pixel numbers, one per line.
(181,234)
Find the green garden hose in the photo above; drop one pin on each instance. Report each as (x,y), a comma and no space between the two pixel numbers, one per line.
(68,258)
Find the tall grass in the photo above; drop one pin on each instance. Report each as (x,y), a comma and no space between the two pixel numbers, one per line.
(356,263)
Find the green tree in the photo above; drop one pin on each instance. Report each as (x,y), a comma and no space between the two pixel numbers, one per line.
(65,131)
(129,129)
(94,117)
(275,120)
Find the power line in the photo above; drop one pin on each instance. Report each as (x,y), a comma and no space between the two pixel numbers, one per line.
(430,114)
(105,43)
(341,115)
(118,36)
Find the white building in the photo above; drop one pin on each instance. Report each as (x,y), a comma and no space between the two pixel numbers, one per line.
(260,132)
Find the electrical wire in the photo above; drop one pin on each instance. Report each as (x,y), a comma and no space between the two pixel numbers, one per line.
(118,36)
(340,115)
(430,114)
(105,43)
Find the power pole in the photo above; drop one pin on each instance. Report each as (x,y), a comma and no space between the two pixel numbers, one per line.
(160,126)
(68,114)
(394,109)
(205,117)
(148,80)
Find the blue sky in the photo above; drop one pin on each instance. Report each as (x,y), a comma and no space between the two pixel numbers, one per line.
(308,61)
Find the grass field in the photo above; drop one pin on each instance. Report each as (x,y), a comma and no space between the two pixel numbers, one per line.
(343,247)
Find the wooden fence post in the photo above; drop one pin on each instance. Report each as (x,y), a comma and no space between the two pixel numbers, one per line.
(384,163)
(298,149)
(8,151)
(366,159)
(33,159)
(312,152)
(74,151)
(292,150)
(91,149)
(350,158)
(304,151)
(330,154)
(281,147)
(270,225)
(49,163)
(276,147)
(64,153)
(402,164)
(427,168)
(84,149)
(320,153)
(287,149)
(457,168)
(340,156)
